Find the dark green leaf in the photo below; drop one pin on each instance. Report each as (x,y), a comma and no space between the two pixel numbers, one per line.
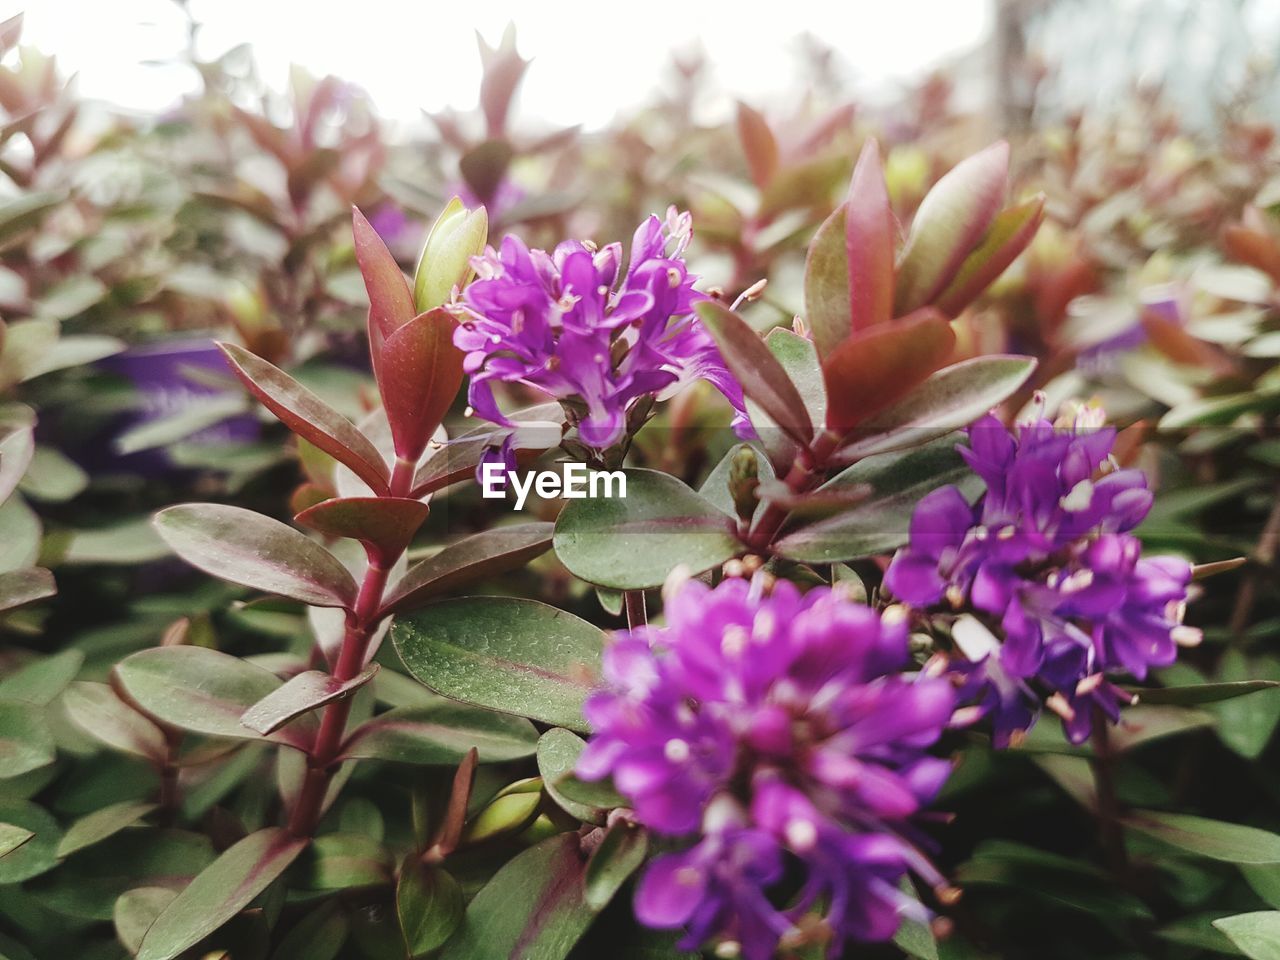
(516,656)
(25,741)
(204,691)
(429,904)
(441,735)
(558,752)
(219,892)
(618,856)
(36,854)
(534,907)
(101,824)
(12,837)
(1215,839)
(1202,692)
(634,542)
(97,710)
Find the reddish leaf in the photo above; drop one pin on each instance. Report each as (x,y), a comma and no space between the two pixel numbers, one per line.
(1174,342)
(870,241)
(1253,247)
(419,375)
(482,555)
(874,368)
(301,694)
(758,144)
(390,301)
(308,416)
(762,376)
(537,430)
(255,551)
(952,219)
(385,525)
(1009,235)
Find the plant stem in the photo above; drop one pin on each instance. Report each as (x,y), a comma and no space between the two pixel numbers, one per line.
(1263,556)
(362,622)
(633,600)
(804,475)
(1103,763)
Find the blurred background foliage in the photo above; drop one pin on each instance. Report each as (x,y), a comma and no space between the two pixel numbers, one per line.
(127,244)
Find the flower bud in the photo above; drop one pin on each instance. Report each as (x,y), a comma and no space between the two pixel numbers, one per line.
(744,481)
(457,235)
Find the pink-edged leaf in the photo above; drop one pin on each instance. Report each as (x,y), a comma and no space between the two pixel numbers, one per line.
(870,241)
(98,710)
(384,524)
(16,450)
(390,300)
(442,734)
(256,551)
(308,416)
(419,373)
(220,891)
(1009,235)
(301,694)
(762,376)
(952,219)
(758,144)
(826,284)
(203,691)
(878,366)
(537,429)
(483,555)
(20,587)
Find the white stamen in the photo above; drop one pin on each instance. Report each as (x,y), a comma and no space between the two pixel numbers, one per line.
(676,750)
(802,835)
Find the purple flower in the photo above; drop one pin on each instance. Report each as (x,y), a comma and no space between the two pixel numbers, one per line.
(1046,560)
(778,730)
(576,326)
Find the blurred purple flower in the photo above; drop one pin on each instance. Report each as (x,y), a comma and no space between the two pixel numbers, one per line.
(507,195)
(1046,556)
(572,324)
(777,729)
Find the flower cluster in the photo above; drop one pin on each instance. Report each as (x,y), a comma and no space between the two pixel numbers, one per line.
(576,326)
(776,728)
(1046,556)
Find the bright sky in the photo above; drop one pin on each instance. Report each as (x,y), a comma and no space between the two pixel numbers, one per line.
(591,56)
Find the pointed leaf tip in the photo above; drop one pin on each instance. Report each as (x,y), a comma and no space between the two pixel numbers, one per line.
(390,301)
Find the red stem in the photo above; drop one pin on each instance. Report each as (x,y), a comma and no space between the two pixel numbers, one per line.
(805,473)
(362,621)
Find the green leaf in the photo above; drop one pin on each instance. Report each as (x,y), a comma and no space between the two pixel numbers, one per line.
(618,856)
(534,907)
(1246,725)
(20,587)
(880,523)
(12,837)
(182,423)
(302,693)
(1230,842)
(308,416)
(220,891)
(16,450)
(430,906)
(339,861)
(914,937)
(763,378)
(97,710)
(25,741)
(952,398)
(1201,692)
(473,558)
(204,691)
(950,221)
(826,284)
(515,656)
(558,752)
(457,235)
(320,935)
(441,735)
(1256,934)
(53,477)
(634,542)
(39,681)
(101,824)
(255,551)
(136,910)
(36,854)
(125,543)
